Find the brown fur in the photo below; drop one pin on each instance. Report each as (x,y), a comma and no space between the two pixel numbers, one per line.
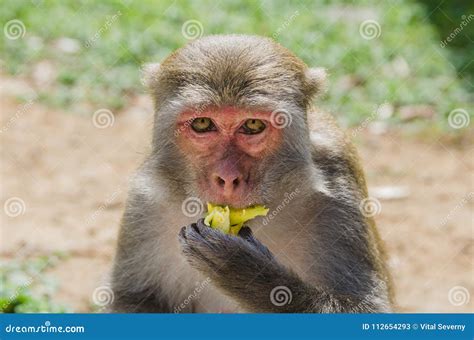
(319,245)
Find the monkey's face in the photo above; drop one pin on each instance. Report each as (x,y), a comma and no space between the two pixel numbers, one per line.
(225,148)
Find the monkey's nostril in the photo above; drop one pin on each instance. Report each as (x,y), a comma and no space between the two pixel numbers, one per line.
(220,181)
(230,183)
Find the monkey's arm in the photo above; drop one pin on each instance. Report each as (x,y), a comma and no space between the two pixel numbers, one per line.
(136,289)
(247,271)
(136,271)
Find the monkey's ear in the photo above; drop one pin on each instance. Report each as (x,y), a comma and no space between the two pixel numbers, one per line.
(316,79)
(149,74)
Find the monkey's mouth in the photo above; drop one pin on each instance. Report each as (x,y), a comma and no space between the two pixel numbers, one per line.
(233,202)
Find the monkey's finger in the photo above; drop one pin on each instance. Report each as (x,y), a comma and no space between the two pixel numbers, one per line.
(182,233)
(246,233)
(210,234)
(198,257)
(200,223)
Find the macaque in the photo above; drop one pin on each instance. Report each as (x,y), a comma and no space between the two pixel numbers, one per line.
(234,125)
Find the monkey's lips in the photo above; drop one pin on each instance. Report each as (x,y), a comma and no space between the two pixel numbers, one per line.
(232,203)
(236,201)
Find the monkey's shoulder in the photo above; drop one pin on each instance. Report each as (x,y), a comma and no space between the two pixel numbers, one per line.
(332,150)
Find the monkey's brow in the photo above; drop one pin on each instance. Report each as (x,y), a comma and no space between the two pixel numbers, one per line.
(252,104)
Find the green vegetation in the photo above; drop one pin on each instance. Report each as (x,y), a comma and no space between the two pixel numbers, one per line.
(25,288)
(403,66)
(84,55)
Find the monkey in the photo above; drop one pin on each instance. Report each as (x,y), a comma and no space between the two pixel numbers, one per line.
(235,124)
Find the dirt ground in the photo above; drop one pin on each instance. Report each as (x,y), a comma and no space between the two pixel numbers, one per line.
(72,179)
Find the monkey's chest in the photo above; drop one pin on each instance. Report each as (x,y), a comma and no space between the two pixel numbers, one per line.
(189,290)
(213,301)
(198,294)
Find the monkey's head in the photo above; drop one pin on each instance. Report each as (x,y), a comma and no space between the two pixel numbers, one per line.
(231,117)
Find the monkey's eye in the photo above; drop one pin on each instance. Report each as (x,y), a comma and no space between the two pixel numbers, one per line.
(253,126)
(203,124)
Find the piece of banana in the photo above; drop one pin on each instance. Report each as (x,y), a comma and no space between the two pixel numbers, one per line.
(229,220)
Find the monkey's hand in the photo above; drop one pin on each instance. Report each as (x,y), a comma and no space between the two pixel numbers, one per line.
(212,251)
(240,265)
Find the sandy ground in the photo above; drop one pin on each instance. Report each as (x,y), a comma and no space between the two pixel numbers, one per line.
(72,179)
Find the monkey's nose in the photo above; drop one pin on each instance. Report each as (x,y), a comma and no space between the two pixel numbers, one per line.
(228,184)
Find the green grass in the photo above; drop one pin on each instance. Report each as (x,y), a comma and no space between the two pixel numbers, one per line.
(403,66)
(26,289)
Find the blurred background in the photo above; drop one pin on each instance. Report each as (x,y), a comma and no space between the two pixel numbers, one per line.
(75,122)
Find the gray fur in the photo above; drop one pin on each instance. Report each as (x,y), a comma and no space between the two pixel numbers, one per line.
(319,245)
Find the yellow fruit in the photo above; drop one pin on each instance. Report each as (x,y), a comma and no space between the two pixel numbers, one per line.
(229,220)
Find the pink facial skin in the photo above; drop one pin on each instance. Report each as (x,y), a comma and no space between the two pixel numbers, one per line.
(226,159)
